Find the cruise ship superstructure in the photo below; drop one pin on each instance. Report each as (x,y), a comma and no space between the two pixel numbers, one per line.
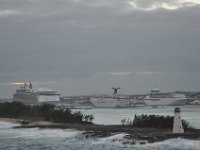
(110,101)
(156,98)
(29,95)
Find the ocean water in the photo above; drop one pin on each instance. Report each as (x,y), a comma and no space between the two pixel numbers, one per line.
(190,113)
(70,139)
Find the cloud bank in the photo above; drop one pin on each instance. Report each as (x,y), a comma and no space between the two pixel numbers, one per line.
(85,46)
(152,5)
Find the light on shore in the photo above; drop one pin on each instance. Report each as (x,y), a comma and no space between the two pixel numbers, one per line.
(177,126)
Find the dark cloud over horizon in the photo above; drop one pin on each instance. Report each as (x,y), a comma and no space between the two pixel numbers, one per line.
(89,46)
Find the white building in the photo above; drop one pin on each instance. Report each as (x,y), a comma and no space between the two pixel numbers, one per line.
(177,126)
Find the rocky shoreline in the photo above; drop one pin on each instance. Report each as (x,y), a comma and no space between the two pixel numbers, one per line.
(132,134)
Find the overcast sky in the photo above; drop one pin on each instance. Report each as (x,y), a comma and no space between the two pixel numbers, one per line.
(89,46)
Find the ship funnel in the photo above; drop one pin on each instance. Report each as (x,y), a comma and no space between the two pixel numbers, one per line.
(115,91)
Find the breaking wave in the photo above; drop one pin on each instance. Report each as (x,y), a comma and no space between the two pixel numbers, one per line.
(62,139)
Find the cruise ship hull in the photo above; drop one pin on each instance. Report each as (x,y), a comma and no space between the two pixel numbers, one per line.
(101,102)
(122,103)
(157,98)
(165,101)
(36,96)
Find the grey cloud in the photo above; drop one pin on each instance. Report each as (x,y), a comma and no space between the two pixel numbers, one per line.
(72,42)
(161,4)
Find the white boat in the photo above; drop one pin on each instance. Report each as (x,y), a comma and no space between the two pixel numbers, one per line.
(29,95)
(156,98)
(110,101)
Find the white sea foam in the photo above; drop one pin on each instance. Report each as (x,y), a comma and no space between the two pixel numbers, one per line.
(36,133)
(61,139)
(177,143)
(113,137)
(117,139)
(71,139)
(7,125)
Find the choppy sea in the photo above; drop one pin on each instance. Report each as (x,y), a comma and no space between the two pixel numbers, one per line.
(70,139)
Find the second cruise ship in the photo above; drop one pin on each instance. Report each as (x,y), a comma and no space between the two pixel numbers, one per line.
(110,101)
(156,98)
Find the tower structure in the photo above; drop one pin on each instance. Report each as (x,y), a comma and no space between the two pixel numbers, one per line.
(177,126)
(115,91)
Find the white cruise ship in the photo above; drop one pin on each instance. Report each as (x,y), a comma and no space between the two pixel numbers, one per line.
(29,95)
(156,98)
(110,101)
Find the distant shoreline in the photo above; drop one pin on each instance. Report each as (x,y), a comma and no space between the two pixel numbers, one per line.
(150,135)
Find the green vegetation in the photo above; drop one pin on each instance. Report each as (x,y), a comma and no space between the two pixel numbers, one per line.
(44,112)
(153,121)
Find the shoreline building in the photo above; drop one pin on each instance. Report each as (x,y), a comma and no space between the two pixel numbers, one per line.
(177,126)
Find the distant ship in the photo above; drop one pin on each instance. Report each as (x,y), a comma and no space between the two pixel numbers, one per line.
(110,101)
(76,102)
(156,98)
(29,95)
